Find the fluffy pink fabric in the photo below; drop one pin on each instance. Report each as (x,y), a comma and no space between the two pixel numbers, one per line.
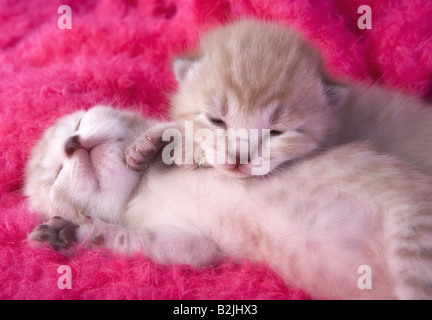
(119,52)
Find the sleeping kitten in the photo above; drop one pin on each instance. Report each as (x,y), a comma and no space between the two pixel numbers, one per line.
(315,223)
(270,75)
(78,166)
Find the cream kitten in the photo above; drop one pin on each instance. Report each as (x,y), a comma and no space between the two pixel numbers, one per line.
(256,75)
(314,222)
(78,166)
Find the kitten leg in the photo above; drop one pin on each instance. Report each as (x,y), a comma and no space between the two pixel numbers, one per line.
(175,246)
(147,146)
(166,246)
(62,234)
(411,264)
(410,252)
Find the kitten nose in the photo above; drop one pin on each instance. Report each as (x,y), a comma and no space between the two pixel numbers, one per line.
(72,144)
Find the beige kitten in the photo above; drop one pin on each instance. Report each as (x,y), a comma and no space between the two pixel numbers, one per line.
(317,222)
(271,76)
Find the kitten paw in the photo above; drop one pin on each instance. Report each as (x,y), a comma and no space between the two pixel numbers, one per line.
(139,155)
(147,147)
(58,232)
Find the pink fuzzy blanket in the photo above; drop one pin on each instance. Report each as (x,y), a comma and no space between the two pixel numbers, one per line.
(119,52)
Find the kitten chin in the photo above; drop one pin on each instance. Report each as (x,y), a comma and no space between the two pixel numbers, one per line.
(258,75)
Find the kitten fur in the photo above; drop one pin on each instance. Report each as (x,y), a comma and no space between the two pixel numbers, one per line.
(258,75)
(314,222)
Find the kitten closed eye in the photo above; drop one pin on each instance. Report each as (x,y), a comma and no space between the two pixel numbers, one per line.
(275,133)
(78,124)
(218,122)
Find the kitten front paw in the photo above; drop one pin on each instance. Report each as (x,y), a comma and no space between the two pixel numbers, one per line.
(139,155)
(147,146)
(58,232)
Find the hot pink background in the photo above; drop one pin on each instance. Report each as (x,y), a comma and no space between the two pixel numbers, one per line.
(119,52)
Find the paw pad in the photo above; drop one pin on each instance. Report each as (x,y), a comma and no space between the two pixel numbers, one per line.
(58,232)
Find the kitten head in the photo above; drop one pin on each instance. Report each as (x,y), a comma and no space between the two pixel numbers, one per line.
(78,167)
(251,76)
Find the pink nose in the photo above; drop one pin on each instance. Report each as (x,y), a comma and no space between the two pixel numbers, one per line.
(72,144)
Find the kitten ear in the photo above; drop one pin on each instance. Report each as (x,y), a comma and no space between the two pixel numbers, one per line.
(181,66)
(337,94)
